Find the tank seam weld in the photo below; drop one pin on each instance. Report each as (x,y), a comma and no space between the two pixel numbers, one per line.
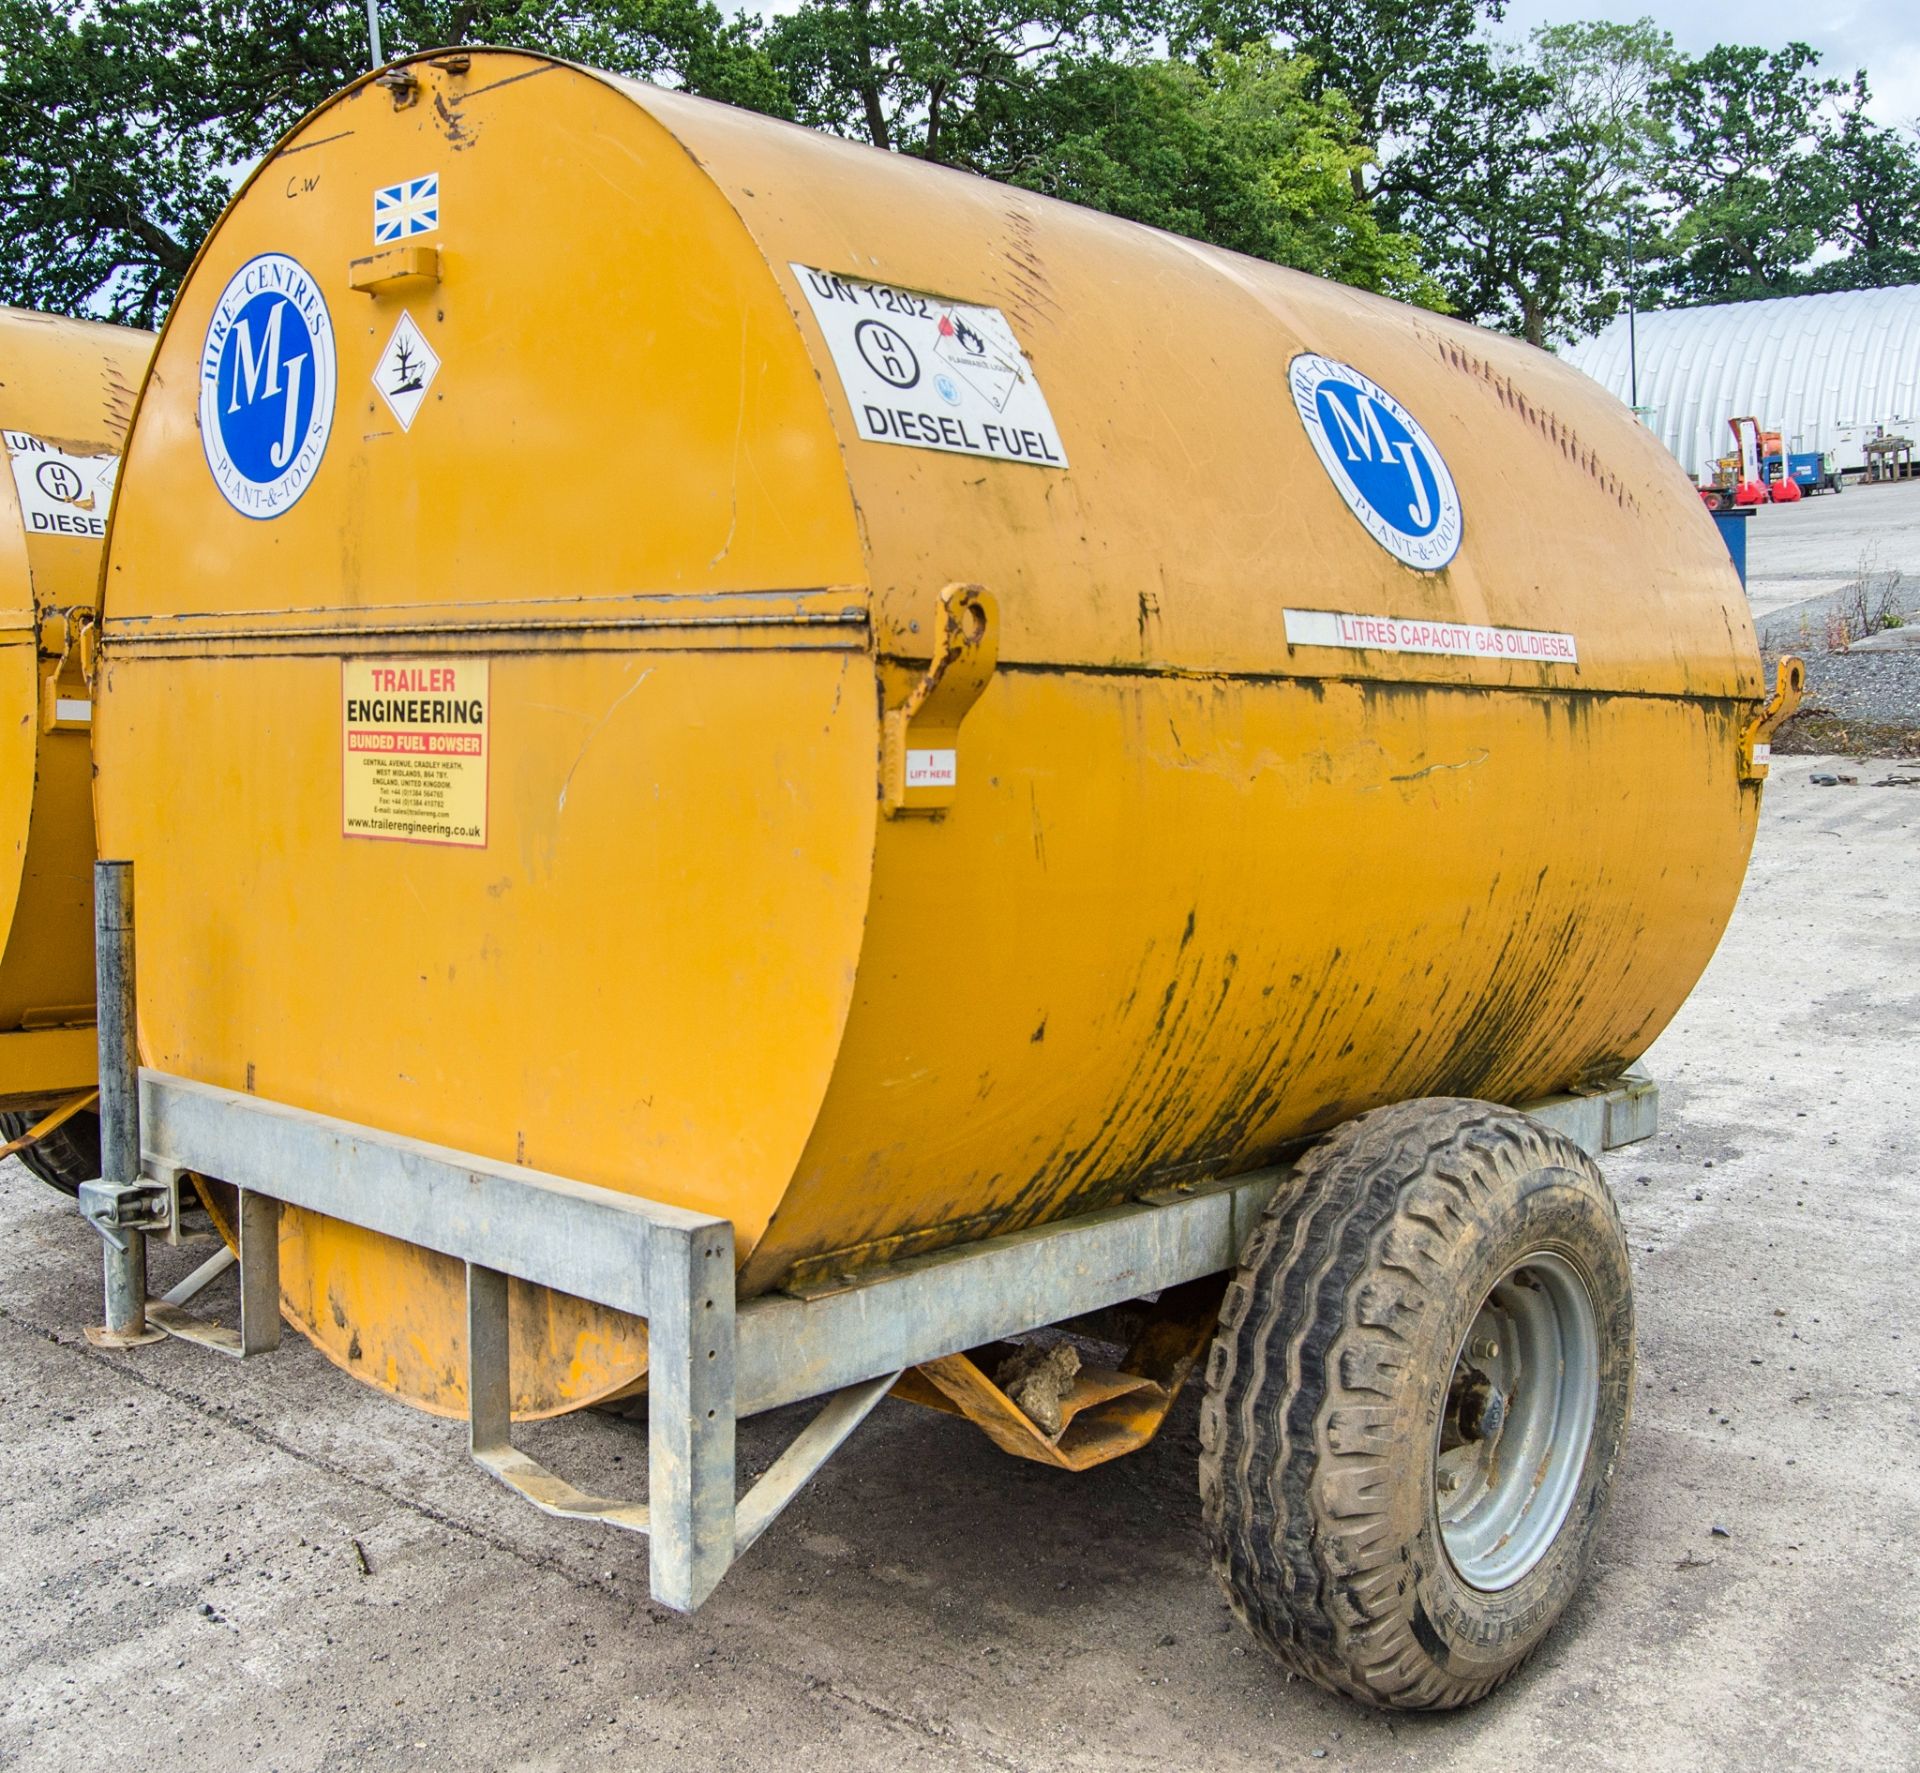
(1205,674)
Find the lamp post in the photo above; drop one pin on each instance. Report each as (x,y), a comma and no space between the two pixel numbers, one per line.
(1633,337)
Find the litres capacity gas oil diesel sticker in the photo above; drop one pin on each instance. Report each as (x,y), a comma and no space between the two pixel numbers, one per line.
(60,495)
(415,750)
(1408,634)
(932,374)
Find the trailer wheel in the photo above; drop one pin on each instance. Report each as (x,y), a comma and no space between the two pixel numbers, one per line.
(65,1157)
(1416,1402)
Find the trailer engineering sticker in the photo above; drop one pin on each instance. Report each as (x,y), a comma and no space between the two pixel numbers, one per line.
(1380,461)
(414,752)
(932,374)
(1405,634)
(267,374)
(60,495)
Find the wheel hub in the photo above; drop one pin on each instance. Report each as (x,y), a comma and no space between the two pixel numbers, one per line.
(1519,1417)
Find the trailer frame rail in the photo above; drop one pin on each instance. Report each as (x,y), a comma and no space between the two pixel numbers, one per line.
(712,1360)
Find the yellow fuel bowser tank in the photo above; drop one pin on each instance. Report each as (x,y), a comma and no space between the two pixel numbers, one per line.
(923,740)
(658,646)
(67,391)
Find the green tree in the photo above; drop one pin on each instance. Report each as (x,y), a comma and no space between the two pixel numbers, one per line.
(1386,143)
(910,75)
(1249,149)
(1522,192)
(1750,200)
(125,126)
(1872,188)
(1401,66)
(1236,153)
(1482,155)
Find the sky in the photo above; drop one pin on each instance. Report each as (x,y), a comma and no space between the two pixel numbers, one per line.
(1882,36)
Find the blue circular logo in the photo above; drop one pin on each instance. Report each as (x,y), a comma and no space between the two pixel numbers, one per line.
(947,389)
(1382,463)
(267,382)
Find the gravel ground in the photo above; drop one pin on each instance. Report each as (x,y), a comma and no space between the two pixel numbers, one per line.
(266,1566)
(1875,695)
(1807,565)
(1878,687)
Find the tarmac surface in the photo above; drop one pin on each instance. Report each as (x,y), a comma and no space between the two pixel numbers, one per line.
(1799,555)
(269,1566)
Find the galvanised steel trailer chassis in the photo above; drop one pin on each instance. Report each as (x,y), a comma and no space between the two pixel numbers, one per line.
(712,1359)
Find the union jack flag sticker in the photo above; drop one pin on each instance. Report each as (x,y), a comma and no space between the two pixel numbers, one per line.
(408,208)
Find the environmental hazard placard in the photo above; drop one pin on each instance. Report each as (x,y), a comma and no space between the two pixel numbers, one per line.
(415,750)
(60,494)
(932,374)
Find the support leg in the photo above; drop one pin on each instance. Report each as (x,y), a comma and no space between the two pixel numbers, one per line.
(259,1260)
(690,1420)
(124,1264)
(259,1273)
(116,1205)
(490,1416)
(489,1377)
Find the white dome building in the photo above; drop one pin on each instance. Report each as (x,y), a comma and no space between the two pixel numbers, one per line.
(1827,372)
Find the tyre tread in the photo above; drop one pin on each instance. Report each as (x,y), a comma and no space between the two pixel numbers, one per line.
(1335,1278)
(63,1158)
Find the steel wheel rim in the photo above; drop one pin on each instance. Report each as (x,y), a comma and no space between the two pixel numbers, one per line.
(1513,1438)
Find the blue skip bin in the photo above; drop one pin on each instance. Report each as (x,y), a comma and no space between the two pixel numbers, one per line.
(1732,525)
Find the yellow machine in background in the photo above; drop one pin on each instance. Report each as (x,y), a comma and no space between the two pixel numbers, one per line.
(830,710)
(67,389)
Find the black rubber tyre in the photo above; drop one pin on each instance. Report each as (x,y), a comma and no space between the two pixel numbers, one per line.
(65,1157)
(1334,1369)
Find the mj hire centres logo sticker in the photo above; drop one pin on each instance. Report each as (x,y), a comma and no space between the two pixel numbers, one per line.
(1380,460)
(267,377)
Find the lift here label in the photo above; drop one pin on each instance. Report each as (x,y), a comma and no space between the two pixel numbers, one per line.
(1406,634)
(415,750)
(932,374)
(60,495)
